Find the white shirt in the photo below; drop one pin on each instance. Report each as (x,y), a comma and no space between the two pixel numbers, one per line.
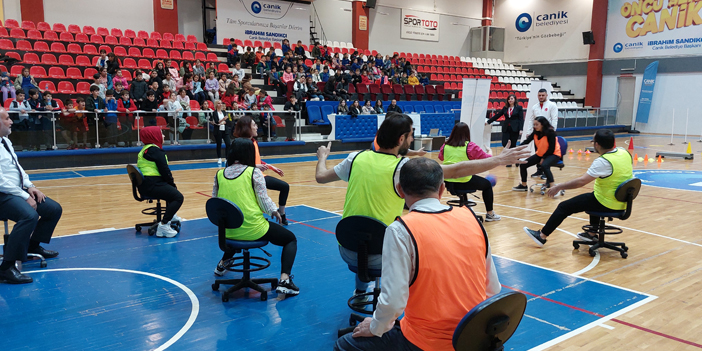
(239,72)
(399,267)
(601,168)
(259,184)
(549,110)
(9,176)
(343,169)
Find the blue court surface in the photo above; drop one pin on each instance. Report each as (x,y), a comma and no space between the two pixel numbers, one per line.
(117,290)
(672,179)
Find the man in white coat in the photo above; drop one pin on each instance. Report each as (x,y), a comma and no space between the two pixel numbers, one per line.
(547,109)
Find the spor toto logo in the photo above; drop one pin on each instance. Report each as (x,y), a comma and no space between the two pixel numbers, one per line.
(256,7)
(523,22)
(618,47)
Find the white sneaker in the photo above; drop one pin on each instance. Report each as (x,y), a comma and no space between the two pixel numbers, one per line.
(165,230)
(176,219)
(492,217)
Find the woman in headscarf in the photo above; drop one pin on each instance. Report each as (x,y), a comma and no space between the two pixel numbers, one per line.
(158,181)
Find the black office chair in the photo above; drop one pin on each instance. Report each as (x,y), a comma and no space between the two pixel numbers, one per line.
(226,215)
(626,192)
(462,197)
(363,235)
(490,324)
(6,237)
(137,178)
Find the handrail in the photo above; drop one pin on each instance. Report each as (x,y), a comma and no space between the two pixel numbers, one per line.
(323,37)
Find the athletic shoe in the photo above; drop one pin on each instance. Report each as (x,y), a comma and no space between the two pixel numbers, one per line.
(165,230)
(222,267)
(536,236)
(543,177)
(520,188)
(287,287)
(492,217)
(283,220)
(361,299)
(587,237)
(537,174)
(176,218)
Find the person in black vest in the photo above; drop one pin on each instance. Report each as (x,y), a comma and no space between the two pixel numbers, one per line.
(514,121)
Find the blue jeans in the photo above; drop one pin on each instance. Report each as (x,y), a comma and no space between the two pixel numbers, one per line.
(37,225)
(392,340)
(351,258)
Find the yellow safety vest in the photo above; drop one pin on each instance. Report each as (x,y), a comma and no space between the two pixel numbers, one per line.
(622,170)
(240,191)
(148,168)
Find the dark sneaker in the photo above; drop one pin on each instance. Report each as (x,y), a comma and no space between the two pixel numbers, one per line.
(537,174)
(536,236)
(287,287)
(283,220)
(587,237)
(222,267)
(543,177)
(520,188)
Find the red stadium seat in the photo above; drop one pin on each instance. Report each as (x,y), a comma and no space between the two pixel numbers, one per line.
(202,46)
(3,33)
(43,26)
(162,54)
(16,70)
(212,57)
(89,30)
(59,27)
(375,91)
(67,87)
(55,47)
(193,122)
(127,74)
(139,42)
(82,38)
(127,33)
(397,91)
(149,53)
(152,43)
(11,23)
(201,56)
(161,123)
(155,35)
(96,39)
(192,38)
(104,47)
(129,63)
(178,45)
(440,92)
(28,25)
(267,44)
(143,34)
(187,55)
(177,37)
(50,35)
(103,31)
(37,72)
(125,41)
(111,40)
(419,90)
(165,44)
(431,92)
(241,43)
(409,91)
(17,33)
(223,68)
(24,45)
(89,73)
(34,34)
(174,64)
(49,86)
(194,105)
(83,61)
(133,51)
(32,58)
(120,51)
(190,46)
(168,36)
(145,64)
(83,87)
(65,36)
(6,44)
(66,60)
(90,49)
(72,73)
(248,43)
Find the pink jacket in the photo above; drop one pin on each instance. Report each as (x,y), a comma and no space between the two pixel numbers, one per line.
(122,80)
(288,77)
(473,151)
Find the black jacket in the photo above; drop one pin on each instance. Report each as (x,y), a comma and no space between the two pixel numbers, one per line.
(515,122)
(138,89)
(395,108)
(157,155)
(355,111)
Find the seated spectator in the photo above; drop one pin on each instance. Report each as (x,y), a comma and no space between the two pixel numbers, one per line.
(412,80)
(102,60)
(263,66)
(25,82)
(232,53)
(173,69)
(394,107)
(230,98)
(395,78)
(248,58)
(342,89)
(211,68)
(324,76)
(403,79)
(198,92)
(186,69)
(118,89)
(169,86)
(250,99)
(100,87)
(110,119)
(313,91)
(365,79)
(342,109)
(264,100)
(285,47)
(199,69)
(259,54)
(212,87)
(424,80)
(72,123)
(299,50)
(383,78)
(223,83)
(467,281)
(367,108)
(158,94)
(160,69)
(300,89)
(238,71)
(329,90)
(379,110)
(288,76)
(112,69)
(355,109)
(7,86)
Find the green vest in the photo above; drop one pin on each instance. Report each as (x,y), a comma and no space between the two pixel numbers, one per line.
(622,170)
(371,191)
(240,191)
(455,154)
(147,168)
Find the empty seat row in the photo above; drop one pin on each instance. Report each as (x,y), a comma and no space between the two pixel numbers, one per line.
(102,31)
(98,39)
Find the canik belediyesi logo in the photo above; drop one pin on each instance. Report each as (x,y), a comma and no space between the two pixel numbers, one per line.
(523,22)
(256,7)
(618,47)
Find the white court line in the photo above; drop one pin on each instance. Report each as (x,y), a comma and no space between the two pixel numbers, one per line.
(82,176)
(193,299)
(606,326)
(95,231)
(595,261)
(546,322)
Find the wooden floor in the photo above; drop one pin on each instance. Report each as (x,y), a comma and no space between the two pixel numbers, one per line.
(664,246)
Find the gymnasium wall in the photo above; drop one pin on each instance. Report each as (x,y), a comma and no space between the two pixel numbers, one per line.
(190,18)
(123,14)
(335,16)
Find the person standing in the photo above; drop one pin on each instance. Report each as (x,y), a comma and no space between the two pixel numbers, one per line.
(547,109)
(35,215)
(222,123)
(514,121)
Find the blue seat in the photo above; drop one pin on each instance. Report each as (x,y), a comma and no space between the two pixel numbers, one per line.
(242,244)
(408,109)
(326,111)
(419,108)
(314,115)
(439,108)
(615,214)
(429,109)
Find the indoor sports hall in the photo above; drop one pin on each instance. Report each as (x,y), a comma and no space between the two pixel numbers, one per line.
(117,274)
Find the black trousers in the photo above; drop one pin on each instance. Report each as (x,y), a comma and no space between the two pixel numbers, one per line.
(30,224)
(289,126)
(279,236)
(549,161)
(155,187)
(580,203)
(478,183)
(509,135)
(279,185)
(220,135)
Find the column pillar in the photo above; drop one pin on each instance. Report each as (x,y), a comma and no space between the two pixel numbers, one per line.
(593,92)
(165,18)
(32,10)
(360,25)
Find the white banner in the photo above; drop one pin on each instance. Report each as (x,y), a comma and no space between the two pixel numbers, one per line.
(419,25)
(545,30)
(653,28)
(263,20)
(476,94)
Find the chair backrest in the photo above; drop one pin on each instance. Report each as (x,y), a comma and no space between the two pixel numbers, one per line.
(491,323)
(225,215)
(627,192)
(363,235)
(563,144)
(136,178)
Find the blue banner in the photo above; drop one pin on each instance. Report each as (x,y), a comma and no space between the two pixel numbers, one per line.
(646,95)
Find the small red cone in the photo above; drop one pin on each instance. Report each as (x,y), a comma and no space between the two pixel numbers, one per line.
(631,143)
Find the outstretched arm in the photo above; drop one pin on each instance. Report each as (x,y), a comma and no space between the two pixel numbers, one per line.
(468,168)
(579,182)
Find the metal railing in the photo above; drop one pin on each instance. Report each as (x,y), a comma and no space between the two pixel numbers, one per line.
(317,24)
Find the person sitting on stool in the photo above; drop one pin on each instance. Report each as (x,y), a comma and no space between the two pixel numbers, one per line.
(158,181)
(433,282)
(514,121)
(612,168)
(548,152)
(459,148)
(243,183)
(247,128)
(35,215)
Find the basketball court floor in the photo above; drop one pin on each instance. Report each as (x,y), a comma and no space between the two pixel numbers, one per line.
(114,289)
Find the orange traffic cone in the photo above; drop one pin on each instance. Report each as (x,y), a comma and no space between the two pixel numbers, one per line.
(659,159)
(646,158)
(631,143)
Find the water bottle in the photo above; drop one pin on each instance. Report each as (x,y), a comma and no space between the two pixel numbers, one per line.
(219,163)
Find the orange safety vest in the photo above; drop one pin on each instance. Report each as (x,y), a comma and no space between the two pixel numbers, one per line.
(542,145)
(450,277)
(258,154)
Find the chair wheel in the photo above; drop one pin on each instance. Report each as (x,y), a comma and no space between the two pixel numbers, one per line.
(215,286)
(531,190)
(225,297)
(592,252)
(274,285)
(138,228)
(625,248)
(152,230)
(576,246)
(42,264)
(264,296)
(542,192)
(625,255)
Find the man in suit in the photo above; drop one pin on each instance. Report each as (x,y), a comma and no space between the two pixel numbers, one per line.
(35,215)
(514,121)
